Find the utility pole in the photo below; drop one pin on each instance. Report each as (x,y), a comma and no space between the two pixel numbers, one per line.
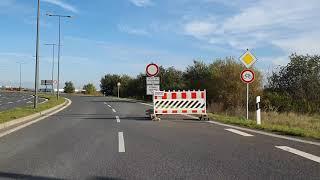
(36,83)
(59,45)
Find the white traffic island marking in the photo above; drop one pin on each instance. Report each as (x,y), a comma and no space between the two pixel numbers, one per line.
(118,119)
(300,153)
(239,132)
(121,142)
(114,110)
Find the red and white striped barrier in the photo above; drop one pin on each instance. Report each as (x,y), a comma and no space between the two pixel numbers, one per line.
(179,102)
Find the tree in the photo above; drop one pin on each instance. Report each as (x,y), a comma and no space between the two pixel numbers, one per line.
(69,87)
(224,84)
(299,83)
(197,75)
(89,88)
(171,79)
(108,83)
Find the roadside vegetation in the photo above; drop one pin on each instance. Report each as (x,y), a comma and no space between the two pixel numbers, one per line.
(19,112)
(290,94)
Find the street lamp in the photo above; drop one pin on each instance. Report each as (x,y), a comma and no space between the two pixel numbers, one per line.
(20,63)
(52,78)
(59,17)
(36,83)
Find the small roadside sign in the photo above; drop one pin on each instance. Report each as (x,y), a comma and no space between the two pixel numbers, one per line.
(248,59)
(152,80)
(247,76)
(152,70)
(152,88)
(158,93)
(46,82)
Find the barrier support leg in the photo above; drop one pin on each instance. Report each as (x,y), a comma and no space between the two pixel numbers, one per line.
(204,117)
(154,117)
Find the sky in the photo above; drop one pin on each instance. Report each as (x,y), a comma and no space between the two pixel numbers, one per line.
(123,36)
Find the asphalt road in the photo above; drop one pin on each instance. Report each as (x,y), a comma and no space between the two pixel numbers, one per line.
(88,141)
(9,100)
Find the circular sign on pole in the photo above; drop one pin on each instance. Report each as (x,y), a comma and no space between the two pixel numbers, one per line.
(247,76)
(152,69)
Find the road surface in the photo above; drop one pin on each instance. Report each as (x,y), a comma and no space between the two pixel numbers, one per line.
(9,100)
(106,138)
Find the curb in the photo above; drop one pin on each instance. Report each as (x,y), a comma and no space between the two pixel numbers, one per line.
(37,116)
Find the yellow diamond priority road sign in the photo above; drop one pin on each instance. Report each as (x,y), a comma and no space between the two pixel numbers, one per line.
(248,59)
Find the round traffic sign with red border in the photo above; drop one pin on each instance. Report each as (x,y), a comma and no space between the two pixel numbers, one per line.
(247,76)
(152,69)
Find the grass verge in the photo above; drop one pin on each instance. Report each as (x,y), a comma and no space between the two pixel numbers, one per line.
(20,112)
(285,124)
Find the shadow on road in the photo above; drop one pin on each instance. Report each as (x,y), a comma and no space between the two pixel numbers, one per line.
(25,176)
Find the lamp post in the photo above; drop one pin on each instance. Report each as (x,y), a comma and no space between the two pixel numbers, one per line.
(52,78)
(59,45)
(36,83)
(20,74)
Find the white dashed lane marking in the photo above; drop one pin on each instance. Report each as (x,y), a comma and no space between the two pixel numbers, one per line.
(300,153)
(118,119)
(239,132)
(121,142)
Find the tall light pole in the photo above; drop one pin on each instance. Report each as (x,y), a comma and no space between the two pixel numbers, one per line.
(59,45)
(52,75)
(20,63)
(36,83)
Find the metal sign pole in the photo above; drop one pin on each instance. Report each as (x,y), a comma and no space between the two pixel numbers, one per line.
(247,101)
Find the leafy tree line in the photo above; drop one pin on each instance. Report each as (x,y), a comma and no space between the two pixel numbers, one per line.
(296,86)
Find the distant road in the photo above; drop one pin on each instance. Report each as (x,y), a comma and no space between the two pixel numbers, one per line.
(106,138)
(9,100)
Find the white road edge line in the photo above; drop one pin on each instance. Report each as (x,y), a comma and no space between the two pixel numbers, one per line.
(239,132)
(256,131)
(121,142)
(114,110)
(147,104)
(300,153)
(118,119)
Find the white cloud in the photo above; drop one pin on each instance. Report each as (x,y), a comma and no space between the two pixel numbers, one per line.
(287,24)
(142,3)
(63,5)
(200,29)
(133,31)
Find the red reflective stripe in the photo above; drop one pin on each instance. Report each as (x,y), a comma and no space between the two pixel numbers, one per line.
(164,111)
(156,97)
(156,111)
(202,95)
(184,111)
(164,96)
(203,111)
(174,95)
(184,95)
(194,95)
(194,111)
(174,111)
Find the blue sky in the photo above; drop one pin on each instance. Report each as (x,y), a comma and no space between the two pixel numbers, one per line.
(122,36)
